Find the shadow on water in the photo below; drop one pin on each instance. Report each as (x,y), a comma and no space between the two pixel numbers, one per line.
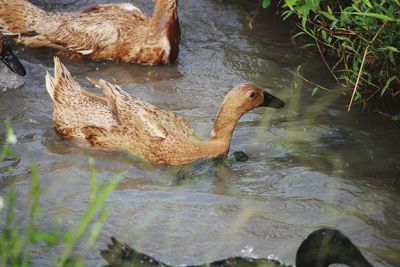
(311,164)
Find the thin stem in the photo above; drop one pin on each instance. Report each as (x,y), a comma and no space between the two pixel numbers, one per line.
(362,66)
(326,63)
(310,82)
(255,14)
(358,78)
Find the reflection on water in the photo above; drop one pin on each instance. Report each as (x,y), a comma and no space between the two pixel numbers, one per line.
(311,164)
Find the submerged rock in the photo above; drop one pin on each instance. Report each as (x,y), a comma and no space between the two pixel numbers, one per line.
(9,79)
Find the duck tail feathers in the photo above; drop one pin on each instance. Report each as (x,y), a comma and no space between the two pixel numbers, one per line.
(19,16)
(62,86)
(50,84)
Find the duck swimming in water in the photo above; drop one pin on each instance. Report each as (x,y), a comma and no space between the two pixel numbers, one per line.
(103,32)
(116,120)
(9,59)
(320,249)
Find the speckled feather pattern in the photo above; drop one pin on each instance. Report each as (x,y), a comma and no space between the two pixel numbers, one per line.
(106,31)
(116,120)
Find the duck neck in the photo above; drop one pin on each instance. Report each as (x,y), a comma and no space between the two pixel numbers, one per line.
(165,23)
(165,12)
(224,125)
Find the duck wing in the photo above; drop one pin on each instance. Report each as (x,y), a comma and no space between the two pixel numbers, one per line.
(85,36)
(172,122)
(84,32)
(145,117)
(98,27)
(128,110)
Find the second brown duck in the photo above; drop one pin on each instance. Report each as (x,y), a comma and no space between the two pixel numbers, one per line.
(105,31)
(116,120)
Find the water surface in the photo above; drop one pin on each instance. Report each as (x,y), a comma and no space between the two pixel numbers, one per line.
(311,164)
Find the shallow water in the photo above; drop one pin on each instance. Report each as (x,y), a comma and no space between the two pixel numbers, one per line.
(311,164)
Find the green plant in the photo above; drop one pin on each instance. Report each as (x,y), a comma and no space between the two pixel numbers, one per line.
(266,3)
(10,139)
(364,36)
(16,241)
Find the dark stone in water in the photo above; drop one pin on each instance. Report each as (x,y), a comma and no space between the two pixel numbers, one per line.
(240,156)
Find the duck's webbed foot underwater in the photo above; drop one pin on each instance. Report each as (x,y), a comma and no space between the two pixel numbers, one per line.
(202,167)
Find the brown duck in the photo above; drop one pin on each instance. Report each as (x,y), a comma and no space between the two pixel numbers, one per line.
(118,121)
(105,31)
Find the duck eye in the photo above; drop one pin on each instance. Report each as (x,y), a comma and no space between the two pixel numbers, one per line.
(252,95)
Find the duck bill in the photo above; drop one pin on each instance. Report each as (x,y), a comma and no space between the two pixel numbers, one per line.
(11,61)
(271,101)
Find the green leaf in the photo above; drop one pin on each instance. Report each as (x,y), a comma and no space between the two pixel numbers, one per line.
(324,35)
(290,3)
(344,17)
(266,3)
(356,63)
(299,34)
(308,45)
(314,91)
(287,14)
(370,14)
(391,79)
(327,15)
(333,25)
(355,7)
(315,5)
(391,48)
(391,58)
(396,117)
(358,96)
(329,10)
(342,38)
(51,239)
(368,3)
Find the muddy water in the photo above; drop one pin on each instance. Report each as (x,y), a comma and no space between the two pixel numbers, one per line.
(311,164)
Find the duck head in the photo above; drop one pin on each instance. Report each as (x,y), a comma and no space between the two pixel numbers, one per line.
(11,61)
(237,102)
(328,246)
(246,97)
